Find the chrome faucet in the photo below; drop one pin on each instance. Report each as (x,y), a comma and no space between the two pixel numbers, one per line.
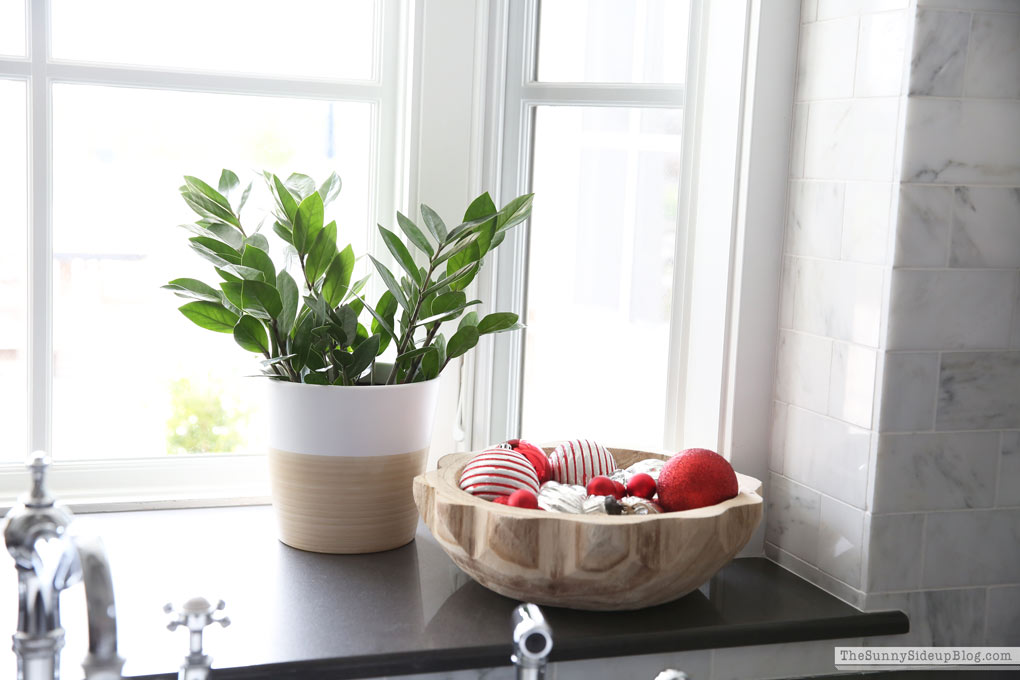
(532,642)
(49,560)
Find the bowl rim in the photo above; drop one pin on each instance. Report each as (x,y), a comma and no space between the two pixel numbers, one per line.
(451,465)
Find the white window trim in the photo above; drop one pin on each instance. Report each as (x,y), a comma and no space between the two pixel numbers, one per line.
(167,481)
(746,231)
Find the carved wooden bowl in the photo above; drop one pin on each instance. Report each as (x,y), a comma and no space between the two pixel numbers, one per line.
(594,562)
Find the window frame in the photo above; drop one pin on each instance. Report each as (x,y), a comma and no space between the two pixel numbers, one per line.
(164,481)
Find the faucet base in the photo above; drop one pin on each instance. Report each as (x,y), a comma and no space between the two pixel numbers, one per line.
(38,656)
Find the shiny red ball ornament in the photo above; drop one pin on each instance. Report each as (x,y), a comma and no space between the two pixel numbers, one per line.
(601,486)
(536,456)
(696,478)
(642,486)
(502,500)
(619,490)
(522,498)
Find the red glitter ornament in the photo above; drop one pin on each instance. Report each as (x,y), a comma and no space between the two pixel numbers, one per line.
(696,478)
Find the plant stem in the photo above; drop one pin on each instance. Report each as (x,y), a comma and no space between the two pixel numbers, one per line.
(402,345)
(416,362)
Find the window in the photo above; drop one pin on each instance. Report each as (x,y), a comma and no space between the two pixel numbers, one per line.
(117,117)
(595,122)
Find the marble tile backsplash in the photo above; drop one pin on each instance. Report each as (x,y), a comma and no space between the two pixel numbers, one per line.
(895,467)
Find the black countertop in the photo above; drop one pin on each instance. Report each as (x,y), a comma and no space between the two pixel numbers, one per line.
(411,610)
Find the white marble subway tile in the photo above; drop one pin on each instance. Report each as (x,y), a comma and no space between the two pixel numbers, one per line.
(893,547)
(973,5)
(840,300)
(1009,471)
(922,236)
(910,383)
(986,226)
(972,547)
(808,11)
(840,537)
(979,390)
(993,65)
(852,139)
(797,138)
(937,618)
(813,574)
(866,217)
(827,455)
(970,141)
(825,66)
(917,472)
(792,516)
(815,219)
(881,47)
(1003,628)
(770,662)
(788,290)
(830,9)
(802,370)
(939,54)
(852,383)
(777,437)
(950,309)
(1014,338)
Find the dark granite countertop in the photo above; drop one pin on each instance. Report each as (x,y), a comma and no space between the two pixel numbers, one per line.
(410,610)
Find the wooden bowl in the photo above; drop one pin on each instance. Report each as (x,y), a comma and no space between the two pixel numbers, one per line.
(594,562)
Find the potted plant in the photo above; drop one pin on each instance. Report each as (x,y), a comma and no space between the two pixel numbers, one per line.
(346,434)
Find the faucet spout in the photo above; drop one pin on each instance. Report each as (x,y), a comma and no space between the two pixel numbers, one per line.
(102,661)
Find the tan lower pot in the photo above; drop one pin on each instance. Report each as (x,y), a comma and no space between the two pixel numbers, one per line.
(342,460)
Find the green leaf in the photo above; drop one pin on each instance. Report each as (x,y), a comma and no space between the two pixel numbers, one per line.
(302,185)
(256,297)
(414,234)
(338,277)
(384,324)
(228,234)
(247,273)
(256,258)
(330,189)
(216,259)
(232,291)
(480,207)
(470,319)
(210,315)
(308,222)
(459,248)
(302,341)
(467,256)
(289,298)
(284,199)
(226,275)
(218,247)
(193,288)
(206,207)
(386,308)
(445,316)
(228,181)
(399,250)
(364,355)
(259,241)
(358,286)
(430,363)
(316,379)
(496,322)
(434,223)
(321,253)
(283,232)
(463,340)
(514,212)
(345,320)
(417,352)
(197,185)
(244,198)
(448,302)
(391,283)
(251,335)
(447,280)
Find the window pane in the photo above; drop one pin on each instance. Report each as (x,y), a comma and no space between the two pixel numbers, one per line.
(13,273)
(600,274)
(303,38)
(12,28)
(642,41)
(132,377)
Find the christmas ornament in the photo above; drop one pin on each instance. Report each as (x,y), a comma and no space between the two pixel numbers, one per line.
(501,500)
(649,466)
(577,461)
(602,505)
(522,498)
(600,486)
(635,505)
(619,490)
(534,454)
(641,485)
(556,497)
(498,472)
(696,478)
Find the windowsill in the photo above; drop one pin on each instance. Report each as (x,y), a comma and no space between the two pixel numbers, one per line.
(409,610)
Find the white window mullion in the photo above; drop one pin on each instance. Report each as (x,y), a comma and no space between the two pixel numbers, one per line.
(40,237)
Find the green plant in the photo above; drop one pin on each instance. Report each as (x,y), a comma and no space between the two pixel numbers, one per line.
(311,332)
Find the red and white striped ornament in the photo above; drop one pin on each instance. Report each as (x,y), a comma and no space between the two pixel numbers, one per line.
(578,461)
(498,472)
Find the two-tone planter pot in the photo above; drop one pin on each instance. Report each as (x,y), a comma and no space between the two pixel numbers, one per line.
(342,461)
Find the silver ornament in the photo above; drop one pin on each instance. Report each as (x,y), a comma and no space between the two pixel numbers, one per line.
(635,505)
(602,505)
(556,497)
